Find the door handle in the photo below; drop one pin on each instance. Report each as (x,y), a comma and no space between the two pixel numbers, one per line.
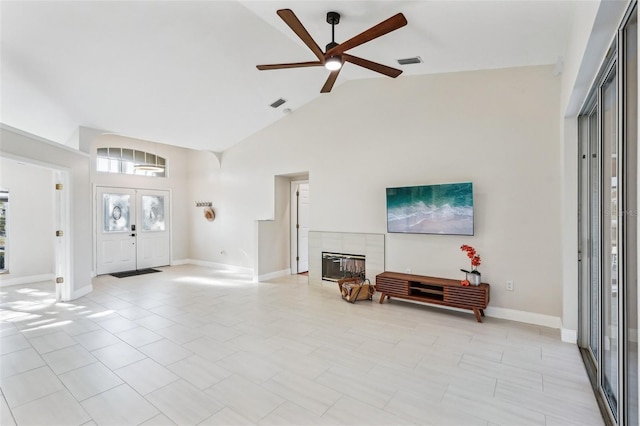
(133,235)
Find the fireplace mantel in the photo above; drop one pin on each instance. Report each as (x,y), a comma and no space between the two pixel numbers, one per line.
(369,245)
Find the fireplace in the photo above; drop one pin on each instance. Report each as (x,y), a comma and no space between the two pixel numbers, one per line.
(336,266)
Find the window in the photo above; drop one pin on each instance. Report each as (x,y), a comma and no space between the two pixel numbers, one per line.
(130,162)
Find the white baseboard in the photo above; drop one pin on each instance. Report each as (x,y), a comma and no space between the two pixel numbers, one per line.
(26,280)
(569,336)
(82,291)
(180,262)
(240,269)
(504,313)
(523,316)
(272,275)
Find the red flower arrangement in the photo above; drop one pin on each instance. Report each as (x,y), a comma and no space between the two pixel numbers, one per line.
(475,258)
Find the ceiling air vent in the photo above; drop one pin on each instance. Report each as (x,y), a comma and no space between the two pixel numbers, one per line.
(409,61)
(277,103)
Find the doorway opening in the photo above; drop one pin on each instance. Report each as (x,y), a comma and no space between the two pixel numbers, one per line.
(41,189)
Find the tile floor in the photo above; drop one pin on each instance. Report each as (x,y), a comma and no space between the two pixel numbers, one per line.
(193,345)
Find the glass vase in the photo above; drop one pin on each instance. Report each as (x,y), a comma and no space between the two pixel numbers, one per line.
(474,277)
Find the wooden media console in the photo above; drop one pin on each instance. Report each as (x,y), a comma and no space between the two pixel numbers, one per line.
(438,291)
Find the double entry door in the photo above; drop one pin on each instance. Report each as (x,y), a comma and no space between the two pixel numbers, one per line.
(133,230)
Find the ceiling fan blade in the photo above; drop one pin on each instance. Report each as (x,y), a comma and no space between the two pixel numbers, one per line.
(292,65)
(373,66)
(384,27)
(330,81)
(294,23)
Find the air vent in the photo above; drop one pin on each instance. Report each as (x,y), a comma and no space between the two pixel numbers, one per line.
(409,61)
(277,103)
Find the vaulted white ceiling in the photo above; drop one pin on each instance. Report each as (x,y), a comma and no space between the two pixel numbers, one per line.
(183,72)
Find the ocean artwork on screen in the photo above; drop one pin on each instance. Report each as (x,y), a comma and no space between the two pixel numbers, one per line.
(431,209)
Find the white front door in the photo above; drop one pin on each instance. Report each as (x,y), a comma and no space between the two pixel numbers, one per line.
(133,229)
(153,229)
(116,237)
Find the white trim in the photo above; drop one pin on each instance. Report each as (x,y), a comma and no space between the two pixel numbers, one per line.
(272,275)
(523,316)
(94,228)
(62,245)
(26,280)
(180,262)
(217,265)
(170,191)
(82,291)
(568,336)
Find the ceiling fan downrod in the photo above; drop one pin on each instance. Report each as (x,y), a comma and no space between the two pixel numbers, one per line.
(333,18)
(334,62)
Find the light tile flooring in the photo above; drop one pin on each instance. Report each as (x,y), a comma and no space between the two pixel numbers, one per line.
(193,345)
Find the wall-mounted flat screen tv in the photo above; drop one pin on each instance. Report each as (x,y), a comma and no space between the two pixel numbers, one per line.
(431,209)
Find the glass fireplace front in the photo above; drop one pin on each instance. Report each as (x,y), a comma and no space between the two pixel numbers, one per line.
(336,266)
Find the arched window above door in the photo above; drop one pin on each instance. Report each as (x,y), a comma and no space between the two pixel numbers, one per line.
(130,162)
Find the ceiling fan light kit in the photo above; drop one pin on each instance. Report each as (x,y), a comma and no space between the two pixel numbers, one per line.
(334,55)
(333,63)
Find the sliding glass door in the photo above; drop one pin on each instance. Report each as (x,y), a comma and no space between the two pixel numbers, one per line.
(594,228)
(608,216)
(609,291)
(629,303)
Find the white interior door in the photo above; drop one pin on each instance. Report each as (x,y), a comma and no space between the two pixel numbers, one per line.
(299,226)
(116,237)
(133,229)
(153,229)
(303,228)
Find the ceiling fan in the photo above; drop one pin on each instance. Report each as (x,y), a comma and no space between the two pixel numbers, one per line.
(334,56)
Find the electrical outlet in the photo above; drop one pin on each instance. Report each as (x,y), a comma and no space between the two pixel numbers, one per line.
(510,285)
(408,270)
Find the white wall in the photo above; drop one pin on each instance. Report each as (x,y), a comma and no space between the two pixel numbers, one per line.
(205,185)
(499,129)
(21,101)
(176,183)
(31,220)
